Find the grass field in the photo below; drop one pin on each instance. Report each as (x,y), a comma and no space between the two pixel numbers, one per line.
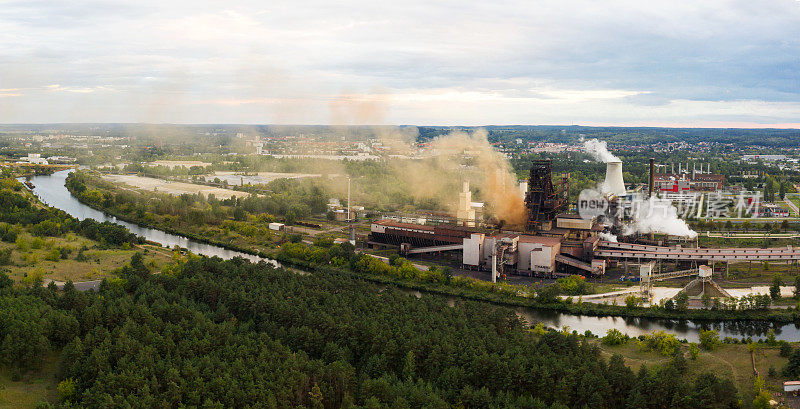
(728,360)
(30,258)
(32,388)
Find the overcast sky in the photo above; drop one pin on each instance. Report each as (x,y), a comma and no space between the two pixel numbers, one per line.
(593,62)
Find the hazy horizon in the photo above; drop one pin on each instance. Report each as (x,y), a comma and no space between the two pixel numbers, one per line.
(715,64)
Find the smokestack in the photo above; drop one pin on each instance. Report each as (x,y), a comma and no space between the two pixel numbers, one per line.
(652,177)
(614,183)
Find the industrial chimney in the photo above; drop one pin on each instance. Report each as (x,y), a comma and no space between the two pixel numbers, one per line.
(614,183)
(651,185)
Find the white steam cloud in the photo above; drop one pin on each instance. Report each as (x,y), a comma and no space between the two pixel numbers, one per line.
(607,236)
(599,150)
(651,215)
(657,216)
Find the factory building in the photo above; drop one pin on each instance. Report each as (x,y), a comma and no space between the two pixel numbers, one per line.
(567,247)
(687,180)
(554,241)
(416,235)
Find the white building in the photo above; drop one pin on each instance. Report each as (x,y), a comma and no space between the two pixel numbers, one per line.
(35,159)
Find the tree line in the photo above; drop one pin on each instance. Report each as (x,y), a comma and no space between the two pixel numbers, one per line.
(18,209)
(212,333)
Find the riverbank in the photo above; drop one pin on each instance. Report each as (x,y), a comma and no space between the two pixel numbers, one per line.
(575,306)
(170,230)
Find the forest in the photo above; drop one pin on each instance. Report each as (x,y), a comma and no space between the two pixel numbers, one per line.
(211,333)
(18,209)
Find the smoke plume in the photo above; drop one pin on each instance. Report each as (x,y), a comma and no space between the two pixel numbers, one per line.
(437,171)
(599,150)
(607,236)
(492,174)
(657,216)
(651,215)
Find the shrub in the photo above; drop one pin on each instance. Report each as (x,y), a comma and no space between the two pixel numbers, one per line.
(786,349)
(694,351)
(5,256)
(709,340)
(21,243)
(775,288)
(37,243)
(632,301)
(615,337)
(67,388)
(53,255)
(573,285)
(660,342)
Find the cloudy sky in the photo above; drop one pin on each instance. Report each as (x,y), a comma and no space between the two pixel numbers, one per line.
(588,62)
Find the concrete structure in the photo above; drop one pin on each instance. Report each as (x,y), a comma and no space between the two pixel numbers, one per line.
(619,250)
(791,386)
(469,213)
(465,213)
(504,253)
(676,183)
(614,183)
(766,158)
(35,159)
(473,248)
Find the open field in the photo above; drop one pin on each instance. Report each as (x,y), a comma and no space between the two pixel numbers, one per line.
(30,258)
(173,188)
(32,388)
(728,360)
(175,163)
(234,178)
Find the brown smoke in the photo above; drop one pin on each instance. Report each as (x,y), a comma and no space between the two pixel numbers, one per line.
(438,171)
(491,173)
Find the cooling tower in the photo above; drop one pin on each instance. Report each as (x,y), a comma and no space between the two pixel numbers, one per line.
(614,183)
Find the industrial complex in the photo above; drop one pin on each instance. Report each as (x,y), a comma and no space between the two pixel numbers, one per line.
(556,241)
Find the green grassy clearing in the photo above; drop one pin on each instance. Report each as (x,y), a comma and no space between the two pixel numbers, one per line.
(32,388)
(31,258)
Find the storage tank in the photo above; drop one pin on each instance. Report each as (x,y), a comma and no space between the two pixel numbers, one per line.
(614,183)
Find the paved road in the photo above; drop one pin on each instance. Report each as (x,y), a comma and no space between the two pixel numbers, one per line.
(79,285)
(792,206)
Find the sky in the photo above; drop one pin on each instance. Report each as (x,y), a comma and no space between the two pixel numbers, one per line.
(710,63)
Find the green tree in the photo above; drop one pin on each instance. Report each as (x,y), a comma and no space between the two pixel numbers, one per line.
(315,396)
(67,389)
(5,256)
(792,367)
(632,301)
(706,299)
(775,288)
(797,286)
(786,349)
(682,301)
(694,351)
(614,337)
(409,366)
(709,339)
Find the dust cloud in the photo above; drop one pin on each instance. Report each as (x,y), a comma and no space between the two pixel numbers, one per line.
(437,170)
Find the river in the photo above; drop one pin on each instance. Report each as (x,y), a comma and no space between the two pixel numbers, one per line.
(51,190)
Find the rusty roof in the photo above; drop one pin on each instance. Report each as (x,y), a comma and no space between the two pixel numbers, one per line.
(392,223)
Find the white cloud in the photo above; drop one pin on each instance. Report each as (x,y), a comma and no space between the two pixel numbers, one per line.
(577,61)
